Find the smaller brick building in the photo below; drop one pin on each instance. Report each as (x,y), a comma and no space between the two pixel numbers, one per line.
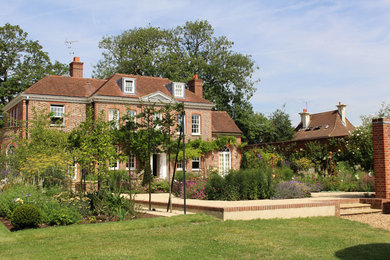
(323,125)
(68,98)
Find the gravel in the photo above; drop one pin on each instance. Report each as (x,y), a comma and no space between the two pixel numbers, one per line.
(374,220)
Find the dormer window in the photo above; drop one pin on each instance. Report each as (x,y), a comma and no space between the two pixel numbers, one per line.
(128,86)
(178,90)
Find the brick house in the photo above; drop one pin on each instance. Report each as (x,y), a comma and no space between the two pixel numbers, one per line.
(323,126)
(68,97)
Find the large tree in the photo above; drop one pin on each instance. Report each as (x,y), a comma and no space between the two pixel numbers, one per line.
(22,62)
(180,53)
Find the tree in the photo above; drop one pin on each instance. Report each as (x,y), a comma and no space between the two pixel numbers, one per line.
(281,124)
(258,128)
(180,53)
(93,145)
(22,62)
(43,157)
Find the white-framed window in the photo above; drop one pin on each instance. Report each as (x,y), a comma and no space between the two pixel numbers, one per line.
(128,85)
(157,117)
(179,122)
(113,116)
(178,90)
(114,164)
(131,164)
(132,114)
(13,117)
(224,161)
(196,164)
(179,165)
(196,124)
(57,117)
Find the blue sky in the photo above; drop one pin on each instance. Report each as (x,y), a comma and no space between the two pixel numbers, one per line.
(308,52)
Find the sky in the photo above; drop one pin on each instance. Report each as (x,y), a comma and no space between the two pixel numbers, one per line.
(311,54)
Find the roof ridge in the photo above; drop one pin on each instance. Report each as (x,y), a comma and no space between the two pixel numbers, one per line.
(143,76)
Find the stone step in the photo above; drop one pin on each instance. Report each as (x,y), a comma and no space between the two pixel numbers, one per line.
(354,206)
(359,211)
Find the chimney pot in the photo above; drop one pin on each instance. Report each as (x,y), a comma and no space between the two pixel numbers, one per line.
(76,59)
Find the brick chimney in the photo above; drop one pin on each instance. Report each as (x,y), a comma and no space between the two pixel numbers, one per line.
(76,68)
(305,118)
(341,108)
(196,85)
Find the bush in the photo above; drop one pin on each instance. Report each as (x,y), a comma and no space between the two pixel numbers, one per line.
(195,189)
(26,216)
(241,185)
(106,203)
(291,190)
(215,187)
(189,176)
(63,216)
(284,173)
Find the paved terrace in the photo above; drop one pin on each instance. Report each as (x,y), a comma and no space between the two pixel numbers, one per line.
(320,204)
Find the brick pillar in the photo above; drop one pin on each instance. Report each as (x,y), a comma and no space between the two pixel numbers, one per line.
(381,141)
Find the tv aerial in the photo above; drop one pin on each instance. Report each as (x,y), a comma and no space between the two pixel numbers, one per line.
(70,48)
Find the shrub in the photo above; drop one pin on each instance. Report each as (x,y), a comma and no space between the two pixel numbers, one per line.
(291,190)
(284,173)
(215,187)
(195,189)
(63,216)
(189,176)
(105,202)
(26,216)
(241,185)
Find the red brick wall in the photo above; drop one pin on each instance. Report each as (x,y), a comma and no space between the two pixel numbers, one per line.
(74,113)
(381,141)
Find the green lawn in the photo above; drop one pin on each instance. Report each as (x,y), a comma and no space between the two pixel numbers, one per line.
(201,237)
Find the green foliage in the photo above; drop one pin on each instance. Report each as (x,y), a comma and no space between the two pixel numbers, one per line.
(22,62)
(26,216)
(43,158)
(92,143)
(304,164)
(257,158)
(104,202)
(250,184)
(179,53)
(63,215)
(281,124)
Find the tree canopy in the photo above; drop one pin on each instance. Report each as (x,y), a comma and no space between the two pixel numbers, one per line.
(178,54)
(22,62)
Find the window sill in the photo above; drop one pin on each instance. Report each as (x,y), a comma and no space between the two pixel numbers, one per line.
(195,133)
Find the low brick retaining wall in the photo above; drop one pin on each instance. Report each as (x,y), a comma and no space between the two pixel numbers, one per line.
(288,210)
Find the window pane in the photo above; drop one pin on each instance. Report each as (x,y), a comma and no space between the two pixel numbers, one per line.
(132,114)
(196,163)
(195,124)
(129,86)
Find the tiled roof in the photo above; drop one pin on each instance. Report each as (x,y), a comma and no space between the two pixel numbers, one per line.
(84,87)
(326,124)
(65,86)
(144,86)
(223,123)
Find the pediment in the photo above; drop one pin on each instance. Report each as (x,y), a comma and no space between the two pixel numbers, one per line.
(157,97)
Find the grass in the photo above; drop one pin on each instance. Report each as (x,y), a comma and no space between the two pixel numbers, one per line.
(201,237)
